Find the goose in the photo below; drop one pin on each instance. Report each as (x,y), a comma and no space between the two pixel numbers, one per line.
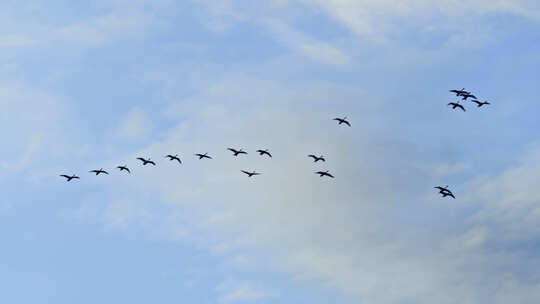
(250,174)
(480,103)
(205,155)
(124,168)
(236,152)
(69,178)
(324,173)
(316,159)
(146,161)
(98,172)
(460,92)
(263,152)
(342,121)
(173,157)
(456,105)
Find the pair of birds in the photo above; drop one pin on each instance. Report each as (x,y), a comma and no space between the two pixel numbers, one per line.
(465,94)
(445,192)
(237,152)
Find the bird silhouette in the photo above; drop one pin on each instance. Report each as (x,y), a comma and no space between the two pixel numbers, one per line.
(146,161)
(316,159)
(324,173)
(98,172)
(250,174)
(445,194)
(342,121)
(456,105)
(205,155)
(173,157)
(460,92)
(480,103)
(124,168)
(69,178)
(236,152)
(444,191)
(263,152)
(467,95)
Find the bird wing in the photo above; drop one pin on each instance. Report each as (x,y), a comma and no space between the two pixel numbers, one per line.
(232,150)
(76,177)
(66,176)
(141,159)
(452,195)
(313,156)
(105,172)
(347,123)
(151,162)
(328,174)
(178,159)
(248,173)
(460,106)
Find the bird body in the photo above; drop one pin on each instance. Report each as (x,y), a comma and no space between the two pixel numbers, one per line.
(174,157)
(69,178)
(324,173)
(100,171)
(236,152)
(342,121)
(444,191)
(263,152)
(205,155)
(250,174)
(124,168)
(456,105)
(316,159)
(480,103)
(146,161)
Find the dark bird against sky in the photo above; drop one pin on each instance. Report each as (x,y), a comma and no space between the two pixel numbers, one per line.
(316,159)
(146,161)
(174,157)
(236,152)
(324,173)
(205,155)
(250,174)
(342,121)
(100,171)
(263,152)
(456,105)
(69,178)
(124,168)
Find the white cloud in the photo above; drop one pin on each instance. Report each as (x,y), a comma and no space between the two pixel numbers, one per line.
(233,291)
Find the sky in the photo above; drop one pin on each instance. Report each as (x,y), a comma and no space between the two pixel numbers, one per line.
(96,84)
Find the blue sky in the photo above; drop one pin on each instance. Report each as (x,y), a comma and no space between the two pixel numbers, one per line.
(97,84)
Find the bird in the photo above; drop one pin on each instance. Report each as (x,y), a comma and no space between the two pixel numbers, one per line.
(324,173)
(205,155)
(146,161)
(316,159)
(236,152)
(456,105)
(250,174)
(467,95)
(124,168)
(442,189)
(262,152)
(173,157)
(97,172)
(480,103)
(69,178)
(342,120)
(445,194)
(460,92)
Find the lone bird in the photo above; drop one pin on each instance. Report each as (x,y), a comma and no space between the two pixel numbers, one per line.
(146,161)
(480,103)
(444,191)
(456,105)
(98,172)
(342,121)
(205,155)
(69,178)
(460,92)
(263,152)
(124,168)
(467,95)
(324,173)
(173,157)
(250,174)
(236,152)
(316,159)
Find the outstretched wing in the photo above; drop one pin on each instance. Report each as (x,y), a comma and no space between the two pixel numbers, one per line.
(248,173)
(66,176)
(141,159)
(347,123)
(330,175)
(313,156)
(232,150)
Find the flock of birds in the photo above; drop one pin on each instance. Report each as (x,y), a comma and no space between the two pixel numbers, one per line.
(444,191)
(464,95)
(205,155)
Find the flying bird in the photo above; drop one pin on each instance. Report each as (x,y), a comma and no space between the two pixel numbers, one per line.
(250,174)
(456,105)
(324,173)
(467,95)
(460,92)
(445,194)
(316,159)
(173,157)
(69,178)
(98,172)
(236,152)
(342,121)
(480,103)
(444,191)
(124,168)
(263,152)
(205,155)
(146,161)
